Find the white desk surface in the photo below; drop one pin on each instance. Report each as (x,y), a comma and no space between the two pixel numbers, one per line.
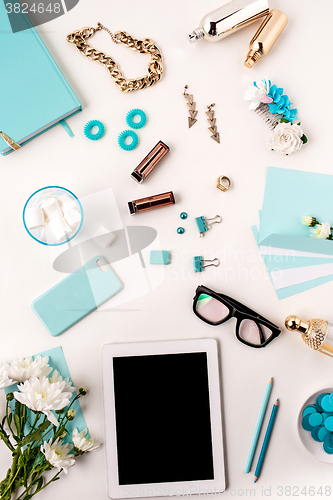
(300,63)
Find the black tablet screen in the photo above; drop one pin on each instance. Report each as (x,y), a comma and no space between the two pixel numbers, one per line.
(163,418)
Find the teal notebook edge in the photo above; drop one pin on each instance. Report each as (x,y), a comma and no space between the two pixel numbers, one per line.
(41,98)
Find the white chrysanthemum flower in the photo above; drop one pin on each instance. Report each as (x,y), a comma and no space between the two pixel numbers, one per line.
(44,396)
(257,93)
(5,380)
(56,377)
(57,454)
(82,443)
(322,231)
(21,370)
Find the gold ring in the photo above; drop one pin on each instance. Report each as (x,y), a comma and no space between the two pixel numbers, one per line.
(223,183)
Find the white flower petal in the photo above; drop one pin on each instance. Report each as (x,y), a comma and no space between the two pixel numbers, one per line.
(56,378)
(57,454)
(82,443)
(21,370)
(5,380)
(321,231)
(42,395)
(51,417)
(255,93)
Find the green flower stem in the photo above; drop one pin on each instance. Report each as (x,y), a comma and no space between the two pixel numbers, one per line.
(41,456)
(13,474)
(54,478)
(35,421)
(68,408)
(7,418)
(5,438)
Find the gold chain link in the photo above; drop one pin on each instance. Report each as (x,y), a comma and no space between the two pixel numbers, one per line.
(145,46)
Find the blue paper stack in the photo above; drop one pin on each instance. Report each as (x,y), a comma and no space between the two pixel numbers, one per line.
(295,261)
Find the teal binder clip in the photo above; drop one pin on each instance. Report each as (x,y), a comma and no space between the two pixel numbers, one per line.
(204,224)
(198,263)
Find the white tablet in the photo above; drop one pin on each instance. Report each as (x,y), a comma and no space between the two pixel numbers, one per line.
(163,419)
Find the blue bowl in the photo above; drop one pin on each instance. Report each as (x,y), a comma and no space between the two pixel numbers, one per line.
(36,200)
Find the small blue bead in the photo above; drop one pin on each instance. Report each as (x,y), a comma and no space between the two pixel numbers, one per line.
(180,230)
(183,215)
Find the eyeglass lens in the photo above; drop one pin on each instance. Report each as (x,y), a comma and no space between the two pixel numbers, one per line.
(250,332)
(214,311)
(211,309)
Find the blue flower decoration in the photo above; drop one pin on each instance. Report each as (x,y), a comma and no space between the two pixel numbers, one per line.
(275,93)
(281,104)
(290,115)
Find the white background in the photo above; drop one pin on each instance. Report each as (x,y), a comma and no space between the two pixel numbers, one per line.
(301,63)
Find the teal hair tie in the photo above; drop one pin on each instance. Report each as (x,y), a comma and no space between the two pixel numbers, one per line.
(136,112)
(88,127)
(123,136)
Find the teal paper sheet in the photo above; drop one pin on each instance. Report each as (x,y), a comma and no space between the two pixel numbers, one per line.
(289,263)
(279,262)
(58,362)
(290,195)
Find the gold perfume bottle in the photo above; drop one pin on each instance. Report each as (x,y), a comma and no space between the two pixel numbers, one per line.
(267,34)
(316,333)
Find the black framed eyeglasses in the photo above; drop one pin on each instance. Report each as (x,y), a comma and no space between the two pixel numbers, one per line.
(251,328)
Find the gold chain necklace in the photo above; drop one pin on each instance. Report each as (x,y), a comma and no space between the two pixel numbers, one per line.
(145,46)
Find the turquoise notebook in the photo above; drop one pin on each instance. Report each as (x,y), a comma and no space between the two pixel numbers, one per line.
(34,95)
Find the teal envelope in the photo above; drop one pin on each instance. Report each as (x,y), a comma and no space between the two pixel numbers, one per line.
(290,195)
(277,262)
(288,262)
(58,362)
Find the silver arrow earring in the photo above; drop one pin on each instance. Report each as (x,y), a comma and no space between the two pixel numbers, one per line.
(192,111)
(211,120)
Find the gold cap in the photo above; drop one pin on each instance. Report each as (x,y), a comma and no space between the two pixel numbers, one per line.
(294,323)
(251,58)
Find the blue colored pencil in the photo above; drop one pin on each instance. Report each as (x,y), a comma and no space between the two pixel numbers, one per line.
(258,426)
(266,440)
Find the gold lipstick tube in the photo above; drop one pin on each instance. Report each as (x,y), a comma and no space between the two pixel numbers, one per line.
(150,161)
(157,201)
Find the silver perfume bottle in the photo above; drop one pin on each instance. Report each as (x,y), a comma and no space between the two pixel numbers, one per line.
(228,19)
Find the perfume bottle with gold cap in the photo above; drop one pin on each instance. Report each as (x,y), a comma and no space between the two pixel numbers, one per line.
(316,333)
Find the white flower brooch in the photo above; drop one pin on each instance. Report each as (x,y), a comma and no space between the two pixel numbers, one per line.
(269,102)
